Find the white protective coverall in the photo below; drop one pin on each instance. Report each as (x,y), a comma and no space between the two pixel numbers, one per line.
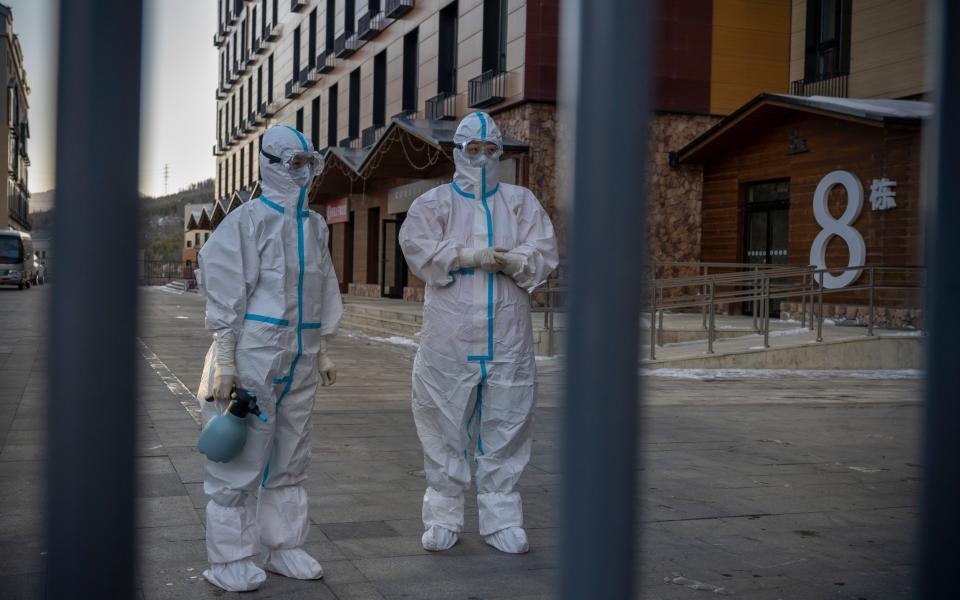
(268,279)
(474,373)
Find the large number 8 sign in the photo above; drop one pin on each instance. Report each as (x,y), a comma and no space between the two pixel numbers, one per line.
(840,227)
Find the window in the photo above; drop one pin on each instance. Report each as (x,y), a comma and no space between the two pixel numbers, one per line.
(189,243)
(275,20)
(411,66)
(353,113)
(447,65)
(270,79)
(196,238)
(312,41)
(253,24)
(331,23)
(380,89)
(300,120)
(259,86)
(206,236)
(296,53)
(828,39)
(249,96)
(332,115)
(315,123)
(250,163)
(243,182)
(494,36)
(349,16)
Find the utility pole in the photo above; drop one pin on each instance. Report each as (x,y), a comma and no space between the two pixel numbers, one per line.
(166,177)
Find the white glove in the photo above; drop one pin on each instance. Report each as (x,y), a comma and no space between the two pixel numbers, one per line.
(225,367)
(513,264)
(485,259)
(328,371)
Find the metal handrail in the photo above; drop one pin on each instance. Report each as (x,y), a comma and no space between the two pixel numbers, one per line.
(756,284)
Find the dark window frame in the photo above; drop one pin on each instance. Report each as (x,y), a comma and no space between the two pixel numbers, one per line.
(827,58)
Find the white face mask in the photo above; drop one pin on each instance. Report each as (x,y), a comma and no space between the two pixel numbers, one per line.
(302,176)
(473,168)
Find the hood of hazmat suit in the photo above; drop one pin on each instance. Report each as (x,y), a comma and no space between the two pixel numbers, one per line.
(269,281)
(473,378)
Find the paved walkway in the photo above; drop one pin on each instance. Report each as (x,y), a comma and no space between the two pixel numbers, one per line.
(799,488)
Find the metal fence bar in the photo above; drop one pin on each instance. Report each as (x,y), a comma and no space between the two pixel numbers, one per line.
(91,407)
(940,519)
(606,91)
(870,317)
(711,310)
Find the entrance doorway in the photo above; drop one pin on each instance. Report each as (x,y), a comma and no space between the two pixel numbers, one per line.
(346,278)
(395,274)
(767,228)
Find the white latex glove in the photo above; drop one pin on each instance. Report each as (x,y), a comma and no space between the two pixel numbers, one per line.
(513,264)
(328,371)
(485,259)
(225,367)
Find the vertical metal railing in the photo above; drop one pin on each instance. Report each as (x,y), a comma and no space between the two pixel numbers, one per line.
(939,517)
(92,384)
(606,77)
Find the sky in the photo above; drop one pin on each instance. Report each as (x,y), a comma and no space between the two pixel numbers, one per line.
(178,122)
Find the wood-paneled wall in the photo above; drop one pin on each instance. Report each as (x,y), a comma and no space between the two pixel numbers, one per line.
(893,237)
(888,47)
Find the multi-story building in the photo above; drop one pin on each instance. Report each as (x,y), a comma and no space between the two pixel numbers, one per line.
(379,87)
(15,195)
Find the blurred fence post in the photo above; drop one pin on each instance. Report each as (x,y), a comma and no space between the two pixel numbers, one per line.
(940,509)
(605,93)
(93,315)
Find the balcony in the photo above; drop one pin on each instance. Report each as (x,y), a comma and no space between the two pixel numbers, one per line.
(216,150)
(251,57)
(297,5)
(308,77)
(370,25)
(254,118)
(262,111)
(243,128)
(243,65)
(370,135)
(348,142)
(221,93)
(442,107)
(832,86)
(259,46)
(345,45)
(397,8)
(407,113)
(292,89)
(326,61)
(274,33)
(219,39)
(486,90)
(271,109)
(233,77)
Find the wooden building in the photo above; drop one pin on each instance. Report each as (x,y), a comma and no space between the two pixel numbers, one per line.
(764,164)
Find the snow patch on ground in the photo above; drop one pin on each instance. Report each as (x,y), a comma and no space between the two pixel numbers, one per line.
(709,374)
(394,340)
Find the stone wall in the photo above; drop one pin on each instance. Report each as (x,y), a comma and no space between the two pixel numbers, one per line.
(910,318)
(536,124)
(674,201)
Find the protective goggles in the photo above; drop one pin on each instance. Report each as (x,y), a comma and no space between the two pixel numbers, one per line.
(293,159)
(474,148)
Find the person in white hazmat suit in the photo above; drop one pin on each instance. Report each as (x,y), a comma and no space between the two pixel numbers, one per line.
(481,246)
(272,302)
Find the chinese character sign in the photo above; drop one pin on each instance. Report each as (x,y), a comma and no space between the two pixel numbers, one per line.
(882,196)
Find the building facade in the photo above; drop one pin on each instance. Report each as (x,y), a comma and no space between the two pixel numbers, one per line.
(845,142)
(15,195)
(378,87)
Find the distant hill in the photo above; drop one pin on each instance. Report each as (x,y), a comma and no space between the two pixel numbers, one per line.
(41,201)
(161,219)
